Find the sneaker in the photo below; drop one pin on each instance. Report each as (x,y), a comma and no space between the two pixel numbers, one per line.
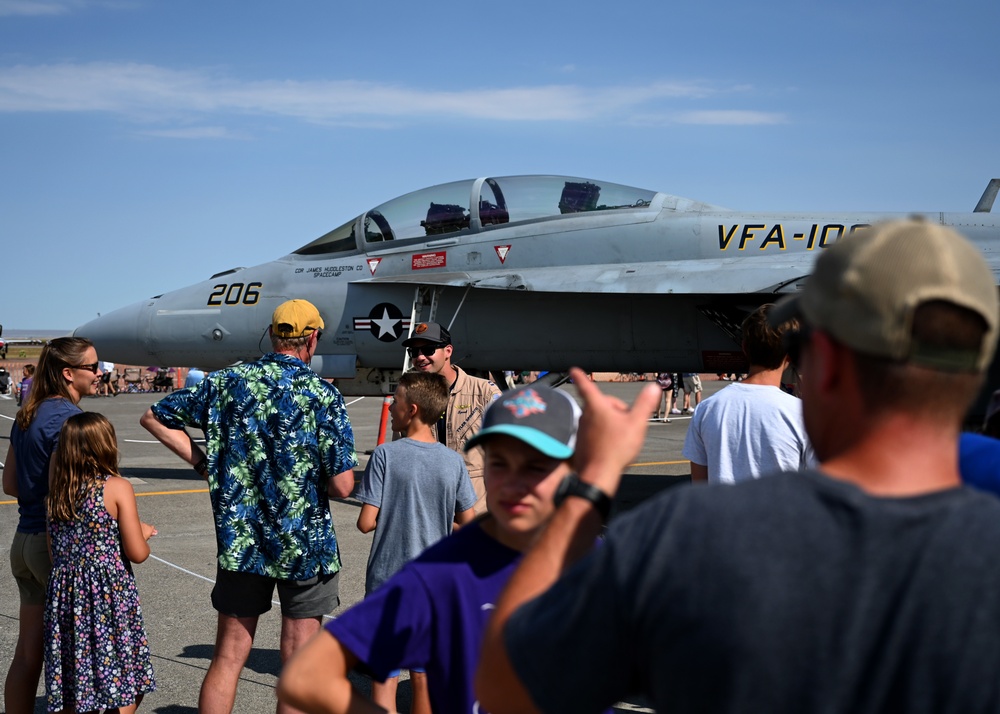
(689,411)
(675,410)
(667,420)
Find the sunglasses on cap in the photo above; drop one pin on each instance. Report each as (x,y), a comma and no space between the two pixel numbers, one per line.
(92,367)
(425,350)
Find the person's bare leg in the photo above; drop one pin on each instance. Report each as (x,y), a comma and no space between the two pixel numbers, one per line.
(130,709)
(420,697)
(233,641)
(26,667)
(295,632)
(384,693)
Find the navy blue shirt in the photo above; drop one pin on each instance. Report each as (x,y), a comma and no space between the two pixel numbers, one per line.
(33,450)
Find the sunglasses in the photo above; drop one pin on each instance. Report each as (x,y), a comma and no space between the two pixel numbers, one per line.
(795,341)
(425,350)
(92,367)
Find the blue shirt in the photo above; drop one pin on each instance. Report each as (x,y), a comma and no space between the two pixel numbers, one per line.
(979,462)
(33,450)
(418,488)
(275,433)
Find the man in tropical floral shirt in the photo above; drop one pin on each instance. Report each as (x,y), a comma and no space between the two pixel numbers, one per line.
(277,442)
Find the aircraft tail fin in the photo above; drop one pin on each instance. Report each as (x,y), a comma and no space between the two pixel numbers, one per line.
(985,204)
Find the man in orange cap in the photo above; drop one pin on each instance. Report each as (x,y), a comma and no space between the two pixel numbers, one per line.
(430,350)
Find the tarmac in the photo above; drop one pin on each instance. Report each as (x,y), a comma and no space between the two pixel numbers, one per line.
(175,583)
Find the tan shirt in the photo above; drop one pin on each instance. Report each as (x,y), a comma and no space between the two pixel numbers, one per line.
(469,400)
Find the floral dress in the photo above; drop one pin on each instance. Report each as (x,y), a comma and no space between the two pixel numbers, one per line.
(96,652)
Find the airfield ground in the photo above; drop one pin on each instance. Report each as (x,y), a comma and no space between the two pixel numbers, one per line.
(176,581)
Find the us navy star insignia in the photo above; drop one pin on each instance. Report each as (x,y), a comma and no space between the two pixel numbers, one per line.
(385,321)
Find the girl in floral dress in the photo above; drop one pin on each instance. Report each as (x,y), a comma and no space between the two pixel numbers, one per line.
(96,652)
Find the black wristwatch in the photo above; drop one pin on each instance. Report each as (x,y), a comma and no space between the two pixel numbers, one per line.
(573,486)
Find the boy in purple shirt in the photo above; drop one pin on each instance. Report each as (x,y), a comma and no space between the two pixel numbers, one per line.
(415,491)
(432,613)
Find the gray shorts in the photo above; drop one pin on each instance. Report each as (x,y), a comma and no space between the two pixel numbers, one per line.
(692,383)
(249,595)
(30,565)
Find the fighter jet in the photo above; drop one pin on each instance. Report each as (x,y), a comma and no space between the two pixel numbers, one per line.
(529,272)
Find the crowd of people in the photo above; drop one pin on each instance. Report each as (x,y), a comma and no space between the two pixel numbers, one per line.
(832,561)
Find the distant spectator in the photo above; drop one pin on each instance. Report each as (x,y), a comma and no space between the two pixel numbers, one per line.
(665,381)
(25,389)
(675,393)
(107,388)
(691,383)
(194,377)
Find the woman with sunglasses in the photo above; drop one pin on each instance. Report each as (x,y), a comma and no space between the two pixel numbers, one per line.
(68,370)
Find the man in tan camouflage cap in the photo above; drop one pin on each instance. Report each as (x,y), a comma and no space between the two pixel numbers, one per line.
(871,584)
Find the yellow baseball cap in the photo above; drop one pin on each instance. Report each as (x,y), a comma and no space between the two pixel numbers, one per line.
(295,318)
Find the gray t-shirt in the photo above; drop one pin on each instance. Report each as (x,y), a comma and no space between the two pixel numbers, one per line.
(747,431)
(418,488)
(794,593)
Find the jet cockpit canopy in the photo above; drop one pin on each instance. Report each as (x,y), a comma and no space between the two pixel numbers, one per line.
(477,204)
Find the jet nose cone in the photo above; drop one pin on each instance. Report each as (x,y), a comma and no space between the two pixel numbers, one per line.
(118,336)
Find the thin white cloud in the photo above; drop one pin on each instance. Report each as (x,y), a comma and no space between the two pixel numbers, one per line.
(719,117)
(152,94)
(49,8)
(196,132)
(730,117)
(32,8)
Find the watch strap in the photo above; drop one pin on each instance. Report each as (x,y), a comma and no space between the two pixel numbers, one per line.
(573,486)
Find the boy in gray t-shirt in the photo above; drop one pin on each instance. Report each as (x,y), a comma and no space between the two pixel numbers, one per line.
(414,491)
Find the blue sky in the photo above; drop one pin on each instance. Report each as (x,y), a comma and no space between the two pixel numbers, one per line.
(146,145)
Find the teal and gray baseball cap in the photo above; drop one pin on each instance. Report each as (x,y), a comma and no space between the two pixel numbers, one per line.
(540,416)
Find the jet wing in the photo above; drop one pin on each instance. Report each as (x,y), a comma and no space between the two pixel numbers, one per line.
(722,275)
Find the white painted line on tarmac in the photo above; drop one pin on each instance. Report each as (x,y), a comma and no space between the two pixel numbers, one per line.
(183,570)
(202,577)
(154,441)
